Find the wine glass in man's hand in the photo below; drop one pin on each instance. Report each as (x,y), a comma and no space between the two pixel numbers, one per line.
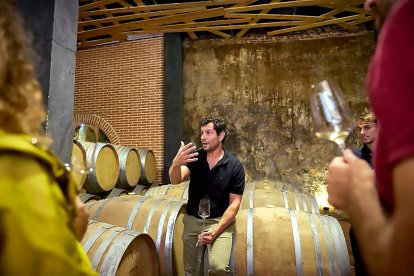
(332,118)
(204,210)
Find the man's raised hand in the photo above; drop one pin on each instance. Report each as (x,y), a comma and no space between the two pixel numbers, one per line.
(186,154)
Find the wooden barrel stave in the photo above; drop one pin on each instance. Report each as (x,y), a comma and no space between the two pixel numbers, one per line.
(78,163)
(299,243)
(176,191)
(148,166)
(118,251)
(139,190)
(85,198)
(115,192)
(103,159)
(271,197)
(130,166)
(160,217)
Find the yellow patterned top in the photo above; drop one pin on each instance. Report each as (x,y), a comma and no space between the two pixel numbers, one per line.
(36,212)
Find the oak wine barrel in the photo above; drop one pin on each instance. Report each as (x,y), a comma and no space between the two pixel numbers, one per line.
(103,159)
(177,191)
(148,166)
(118,251)
(129,165)
(115,192)
(279,241)
(272,197)
(139,190)
(266,183)
(159,217)
(85,198)
(78,164)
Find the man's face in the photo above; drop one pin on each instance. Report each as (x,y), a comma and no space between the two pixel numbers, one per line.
(368,133)
(379,9)
(209,138)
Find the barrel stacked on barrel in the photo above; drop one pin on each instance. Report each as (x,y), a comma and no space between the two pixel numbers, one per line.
(279,231)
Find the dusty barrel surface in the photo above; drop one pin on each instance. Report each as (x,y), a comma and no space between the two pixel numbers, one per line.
(85,198)
(115,250)
(148,166)
(270,183)
(129,166)
(103,159)
(139,190)
(177,191)
(160,217)
(272,197)
(279,241)
(115,192)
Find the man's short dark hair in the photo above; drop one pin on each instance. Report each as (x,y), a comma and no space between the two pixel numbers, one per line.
(219,125)
(367,118)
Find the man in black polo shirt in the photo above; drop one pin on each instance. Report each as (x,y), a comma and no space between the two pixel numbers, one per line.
(217,175)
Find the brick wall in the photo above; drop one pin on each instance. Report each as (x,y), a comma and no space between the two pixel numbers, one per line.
(123,85)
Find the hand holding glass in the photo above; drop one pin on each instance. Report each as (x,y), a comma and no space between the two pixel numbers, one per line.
(331,115)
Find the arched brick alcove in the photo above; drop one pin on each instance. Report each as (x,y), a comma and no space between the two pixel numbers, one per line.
(99,122)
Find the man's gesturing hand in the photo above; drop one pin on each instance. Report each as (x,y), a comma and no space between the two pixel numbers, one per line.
(185,154)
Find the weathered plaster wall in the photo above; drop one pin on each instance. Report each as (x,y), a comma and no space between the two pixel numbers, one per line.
(261,88)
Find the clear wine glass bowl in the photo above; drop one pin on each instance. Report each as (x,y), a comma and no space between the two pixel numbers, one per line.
(332,118)
(204,208)
(203,211)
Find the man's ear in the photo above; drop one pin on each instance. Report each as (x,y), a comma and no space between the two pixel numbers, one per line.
(222,135)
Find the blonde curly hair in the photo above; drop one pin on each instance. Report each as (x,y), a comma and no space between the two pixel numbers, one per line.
(21,107)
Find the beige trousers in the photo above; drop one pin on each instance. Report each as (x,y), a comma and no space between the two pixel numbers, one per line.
(218,252)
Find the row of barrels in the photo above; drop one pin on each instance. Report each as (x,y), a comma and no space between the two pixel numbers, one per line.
(269,240)
(254,196)
(99,167)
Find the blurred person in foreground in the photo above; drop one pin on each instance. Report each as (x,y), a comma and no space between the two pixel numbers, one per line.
(41,218)
(217,175)
(380,207)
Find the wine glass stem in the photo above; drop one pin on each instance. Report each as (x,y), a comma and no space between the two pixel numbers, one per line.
(203,224)
(341,145)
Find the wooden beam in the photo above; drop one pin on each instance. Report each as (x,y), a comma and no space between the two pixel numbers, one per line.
(162,7)
(362,20)
(195,25)
(273,16)
(331,14)
(244,3)
(216,28)
(317,24)
(298,3)
(139,3)
(97,42)
(139,16)
(347,8)
(153,22)
(98,4)
(255,20)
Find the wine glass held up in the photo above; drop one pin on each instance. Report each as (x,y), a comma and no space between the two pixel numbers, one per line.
(332,118)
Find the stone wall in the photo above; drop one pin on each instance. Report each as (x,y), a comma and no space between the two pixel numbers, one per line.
(261,87)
